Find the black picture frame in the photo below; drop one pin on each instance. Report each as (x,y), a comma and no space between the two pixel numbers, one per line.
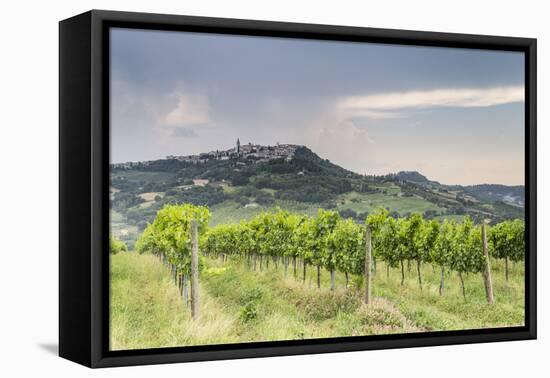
(83,181)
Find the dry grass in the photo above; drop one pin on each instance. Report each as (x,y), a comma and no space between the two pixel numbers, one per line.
(147,311)
(240,305)
(150,196)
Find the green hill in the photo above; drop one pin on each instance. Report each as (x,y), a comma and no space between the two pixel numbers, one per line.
(240,186)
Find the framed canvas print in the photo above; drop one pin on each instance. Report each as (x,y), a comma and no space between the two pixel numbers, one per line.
(234,188)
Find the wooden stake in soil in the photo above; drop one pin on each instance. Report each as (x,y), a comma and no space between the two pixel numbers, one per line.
(318,276)
(194,270)
(487,272)
(442,282)
(368,263)
(185,290)
(462,284)
(419,273)
(402,273)
(506,267)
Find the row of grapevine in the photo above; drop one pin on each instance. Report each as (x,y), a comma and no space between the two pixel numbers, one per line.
(329,242)
(508,242)
(449,245)
(335,244)
(174,237)
(325,241)
(116,246)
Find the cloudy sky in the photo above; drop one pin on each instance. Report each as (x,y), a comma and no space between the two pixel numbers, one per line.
(454,115)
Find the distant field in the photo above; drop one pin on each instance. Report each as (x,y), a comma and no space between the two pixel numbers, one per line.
(361,202)
(116,217)
(455,217)
(232,207)
(120,229)
(232,212)
(145,176)
(388,188)
(150,196)
(227,188)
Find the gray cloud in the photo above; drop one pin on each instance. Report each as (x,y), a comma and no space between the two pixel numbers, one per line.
(453,114)
(184,132)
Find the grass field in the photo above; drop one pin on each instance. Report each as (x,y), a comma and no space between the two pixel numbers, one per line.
(241,305)
(144,176)
(232,212)
(120,228)
(360,202)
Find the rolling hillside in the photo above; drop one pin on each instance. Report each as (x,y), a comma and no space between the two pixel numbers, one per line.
(240,185)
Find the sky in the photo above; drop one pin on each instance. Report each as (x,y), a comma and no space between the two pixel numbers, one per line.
(455,115)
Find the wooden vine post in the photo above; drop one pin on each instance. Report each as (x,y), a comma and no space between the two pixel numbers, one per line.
(194,270)
(368,265)
(487,271)
(185,290)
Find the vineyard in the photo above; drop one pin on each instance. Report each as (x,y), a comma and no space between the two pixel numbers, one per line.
(332,261)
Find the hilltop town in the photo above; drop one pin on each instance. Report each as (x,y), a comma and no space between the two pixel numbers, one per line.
(254,152)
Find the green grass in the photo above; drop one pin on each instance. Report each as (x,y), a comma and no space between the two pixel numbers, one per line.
(147,311)
(120,229)
(117,217)
(144,176)
(232,212)
(428,310)
(361,202)
(455,217)
(242,305)
(227,188)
